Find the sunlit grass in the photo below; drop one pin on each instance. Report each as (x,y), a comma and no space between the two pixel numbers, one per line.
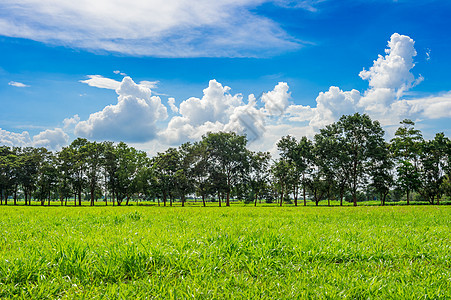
(237,252)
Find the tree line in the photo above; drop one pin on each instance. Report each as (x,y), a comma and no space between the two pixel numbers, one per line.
(348,160)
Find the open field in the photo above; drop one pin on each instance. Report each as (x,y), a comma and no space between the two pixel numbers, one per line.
(236,252)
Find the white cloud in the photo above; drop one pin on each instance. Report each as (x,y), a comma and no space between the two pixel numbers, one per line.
(71,122)
(331,105)
(247,120)
(433,107)
(52,139)
(276,101)
(164,28)
(101,82)
(119,73)
(12,139)
(219,110)
(132,119)
(18,84)
(393,70)
(171,102)
(389,78)
(149,84)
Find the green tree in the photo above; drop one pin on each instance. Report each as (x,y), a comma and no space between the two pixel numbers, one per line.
(228,157)
(298,154)
(433,164)
(406,147)
(282,178)
(166,166)
(9,165)
(333,158)
(31,160)
(359,137)
(258,173)
(78,164)
(128,162)
(47,177)
(93,155)
(200,170)
(380,169)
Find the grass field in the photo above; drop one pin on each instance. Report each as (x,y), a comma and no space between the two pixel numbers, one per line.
(370,252)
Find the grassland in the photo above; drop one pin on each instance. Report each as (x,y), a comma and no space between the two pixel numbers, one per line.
(370,252)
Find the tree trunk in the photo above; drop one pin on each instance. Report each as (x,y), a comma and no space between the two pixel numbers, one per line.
(26,197)
(408,194)
(79,197)
(128,199)
(65,202)
(183,200)
(219,198)
(256,198)
(228,198)
(303,188)
(92,197)
(295,196)
(75,199)
(203,199)
(164,198)
(15,196)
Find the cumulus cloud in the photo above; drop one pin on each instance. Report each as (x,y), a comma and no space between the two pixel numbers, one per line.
(393,70)
(171,102)
(174,28)
(71,122)
(389,78)
(12,139)
(219,110)
(52,139)
(247,120)
(433,107)
(132,119)
(17,84)
(331,105)
(276,101)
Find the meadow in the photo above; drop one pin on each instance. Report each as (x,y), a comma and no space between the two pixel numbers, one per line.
(136,252)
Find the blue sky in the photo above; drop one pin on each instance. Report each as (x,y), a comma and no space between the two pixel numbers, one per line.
(174,49)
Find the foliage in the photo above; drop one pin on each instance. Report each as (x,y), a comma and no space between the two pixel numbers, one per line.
(347,158)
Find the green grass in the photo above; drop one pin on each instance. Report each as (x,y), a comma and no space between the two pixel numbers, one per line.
(369,252)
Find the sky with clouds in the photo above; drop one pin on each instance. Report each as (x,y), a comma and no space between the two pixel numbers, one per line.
(157,73)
